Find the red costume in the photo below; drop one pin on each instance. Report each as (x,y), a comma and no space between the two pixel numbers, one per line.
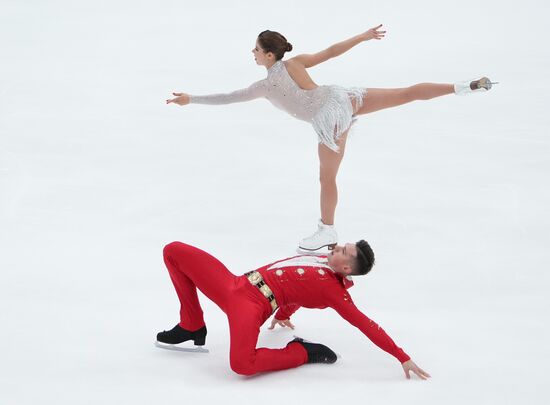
(300,281)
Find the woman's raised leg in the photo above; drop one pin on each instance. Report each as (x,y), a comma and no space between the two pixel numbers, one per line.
(379,99)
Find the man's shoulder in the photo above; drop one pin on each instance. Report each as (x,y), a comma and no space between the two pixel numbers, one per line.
(301,261)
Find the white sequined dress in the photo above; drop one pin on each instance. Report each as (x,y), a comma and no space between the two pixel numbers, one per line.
(328,108)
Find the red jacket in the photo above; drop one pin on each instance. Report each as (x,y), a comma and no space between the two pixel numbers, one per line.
(307,281)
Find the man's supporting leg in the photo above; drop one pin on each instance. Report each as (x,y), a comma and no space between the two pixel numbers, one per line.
(245,319)
(189,268)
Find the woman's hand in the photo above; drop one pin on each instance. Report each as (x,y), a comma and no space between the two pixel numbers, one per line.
(283,324)
(180,99)
(374,33)
(409,366)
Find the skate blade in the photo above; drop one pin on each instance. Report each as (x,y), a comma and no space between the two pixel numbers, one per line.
(176,348)
(318,252)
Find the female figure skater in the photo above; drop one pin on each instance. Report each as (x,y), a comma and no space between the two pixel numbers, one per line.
(330,109)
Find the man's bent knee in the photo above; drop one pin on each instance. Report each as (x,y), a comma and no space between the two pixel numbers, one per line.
(242,367)
(177,248)
(171,248)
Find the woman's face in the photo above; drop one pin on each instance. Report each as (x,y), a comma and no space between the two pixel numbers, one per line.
(262,58)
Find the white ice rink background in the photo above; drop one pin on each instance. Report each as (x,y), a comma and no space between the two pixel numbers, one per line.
(97,174)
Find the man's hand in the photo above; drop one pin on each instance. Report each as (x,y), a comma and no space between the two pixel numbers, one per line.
(409,366)
(374,33)
(283,324)
(180,99)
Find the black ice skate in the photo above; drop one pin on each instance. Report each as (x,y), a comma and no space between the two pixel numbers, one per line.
(170,339)
(316,352)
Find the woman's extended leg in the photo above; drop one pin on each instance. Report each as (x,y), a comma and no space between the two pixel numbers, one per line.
(379,99)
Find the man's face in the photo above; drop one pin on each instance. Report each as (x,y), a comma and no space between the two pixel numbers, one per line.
(341,258)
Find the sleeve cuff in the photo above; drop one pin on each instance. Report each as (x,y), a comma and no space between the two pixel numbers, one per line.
(403,357)
(281,316)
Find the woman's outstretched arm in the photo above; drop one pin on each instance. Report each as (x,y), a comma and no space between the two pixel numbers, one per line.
(309,60)
(256,90)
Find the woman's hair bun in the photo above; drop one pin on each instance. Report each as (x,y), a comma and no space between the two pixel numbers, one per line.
(272,41)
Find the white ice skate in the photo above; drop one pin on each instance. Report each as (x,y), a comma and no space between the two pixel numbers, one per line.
(473,86)
(180,348)
(325,236)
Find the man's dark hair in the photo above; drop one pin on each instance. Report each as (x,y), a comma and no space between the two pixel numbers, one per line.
(364,260)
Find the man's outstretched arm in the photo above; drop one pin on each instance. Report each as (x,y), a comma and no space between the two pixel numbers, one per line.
(347,310)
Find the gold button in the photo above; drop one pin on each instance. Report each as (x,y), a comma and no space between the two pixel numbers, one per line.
(300,271)
(321,272)
(279,272)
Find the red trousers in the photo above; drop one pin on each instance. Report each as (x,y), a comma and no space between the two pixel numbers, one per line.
(246,308)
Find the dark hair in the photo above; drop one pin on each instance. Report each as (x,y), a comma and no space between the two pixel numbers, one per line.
(364,260)
(272,41)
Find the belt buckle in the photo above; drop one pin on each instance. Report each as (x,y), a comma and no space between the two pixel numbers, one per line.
(255,277)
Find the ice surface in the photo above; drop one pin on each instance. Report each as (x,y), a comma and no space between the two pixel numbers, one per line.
(97,174)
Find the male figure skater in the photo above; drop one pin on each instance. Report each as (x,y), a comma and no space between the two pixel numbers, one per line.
(250,299)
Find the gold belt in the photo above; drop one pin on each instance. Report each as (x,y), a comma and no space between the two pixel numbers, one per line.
(257,280)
